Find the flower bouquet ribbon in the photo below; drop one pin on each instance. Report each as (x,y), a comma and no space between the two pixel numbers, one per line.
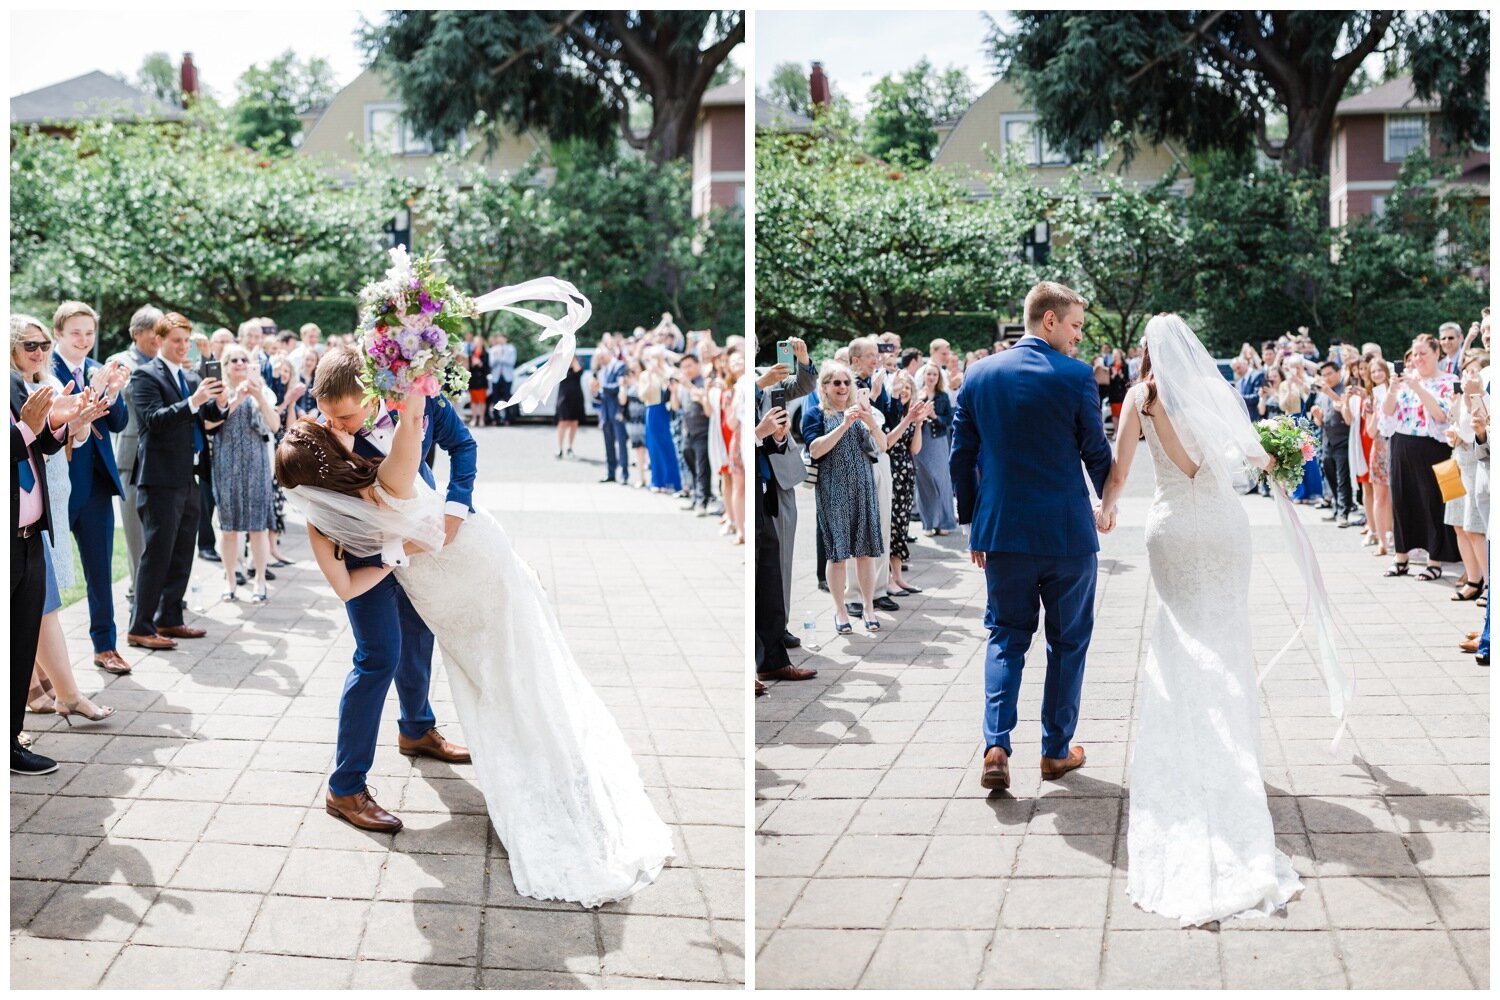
(1292,445)
(576,312)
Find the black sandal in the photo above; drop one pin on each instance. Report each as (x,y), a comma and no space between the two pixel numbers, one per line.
(1431,573)
(1397,569)
(1464,595)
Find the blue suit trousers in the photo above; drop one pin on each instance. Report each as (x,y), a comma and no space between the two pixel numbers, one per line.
(93,525)
(1018,584)
(391,643)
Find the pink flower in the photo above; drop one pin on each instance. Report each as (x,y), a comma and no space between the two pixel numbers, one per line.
(1308,451)
(426,385)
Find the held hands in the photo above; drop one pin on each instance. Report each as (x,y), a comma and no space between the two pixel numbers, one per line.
(1105,522)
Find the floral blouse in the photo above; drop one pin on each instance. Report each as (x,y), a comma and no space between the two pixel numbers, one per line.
(1411,416)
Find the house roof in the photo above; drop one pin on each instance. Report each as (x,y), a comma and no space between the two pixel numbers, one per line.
(774,116)
(1396,96)
(728,94)
(92,95)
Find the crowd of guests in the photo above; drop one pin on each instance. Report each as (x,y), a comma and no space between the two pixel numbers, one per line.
(180,426)
(875,425)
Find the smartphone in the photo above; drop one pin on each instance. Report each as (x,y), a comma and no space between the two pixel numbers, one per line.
(778,398)
(212,369)
(784,355)
(1398,367)
(884,348)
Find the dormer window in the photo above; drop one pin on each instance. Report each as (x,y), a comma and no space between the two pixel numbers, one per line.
(1020,130)
(1404,134)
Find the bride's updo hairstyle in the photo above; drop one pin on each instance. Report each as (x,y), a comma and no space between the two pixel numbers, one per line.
(312,455)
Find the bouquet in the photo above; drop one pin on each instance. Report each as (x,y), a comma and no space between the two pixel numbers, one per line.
(410,331)
(1291,444)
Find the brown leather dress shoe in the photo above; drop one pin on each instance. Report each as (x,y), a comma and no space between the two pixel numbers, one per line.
(181,631)
(1469,645)
(112,661)
(996,772)
(361,810)
(789,673)
(433,745)
(150,641)
(1055,767)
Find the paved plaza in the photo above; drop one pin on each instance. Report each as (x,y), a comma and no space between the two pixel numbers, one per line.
(881,862)
(184,843)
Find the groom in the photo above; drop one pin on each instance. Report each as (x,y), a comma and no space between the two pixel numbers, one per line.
(391,640)
(1026,419)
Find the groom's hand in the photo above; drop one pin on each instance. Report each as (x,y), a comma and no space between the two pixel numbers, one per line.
(977,558)
(451,524)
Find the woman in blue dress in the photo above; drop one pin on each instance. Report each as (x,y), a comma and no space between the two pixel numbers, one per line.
(934,485)
(666,475)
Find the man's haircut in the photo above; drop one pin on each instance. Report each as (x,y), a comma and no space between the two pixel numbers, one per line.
(1049,296)
(338,374)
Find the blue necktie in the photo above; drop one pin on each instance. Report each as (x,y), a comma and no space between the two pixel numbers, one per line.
(197,431)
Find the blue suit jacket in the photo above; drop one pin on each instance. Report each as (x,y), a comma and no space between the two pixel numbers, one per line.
(1027,422)
(98,452)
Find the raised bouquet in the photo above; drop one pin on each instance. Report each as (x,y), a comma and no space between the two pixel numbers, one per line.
(1291,444)
(411,333)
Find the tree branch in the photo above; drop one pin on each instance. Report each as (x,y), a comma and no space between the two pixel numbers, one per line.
(1194,32)
(553,32)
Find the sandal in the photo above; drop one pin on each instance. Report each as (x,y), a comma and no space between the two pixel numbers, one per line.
(1430,573)
(1463,582)
(871,625)
(228,595)
(1397,569)
(1464,595)
(843,628)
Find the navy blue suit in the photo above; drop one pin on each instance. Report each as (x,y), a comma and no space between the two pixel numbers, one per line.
(1026,425)
(1249,389)
(391,642)
(95,481)
(611,420)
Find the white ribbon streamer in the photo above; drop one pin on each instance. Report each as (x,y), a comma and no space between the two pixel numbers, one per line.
(1340,681)
(540,384)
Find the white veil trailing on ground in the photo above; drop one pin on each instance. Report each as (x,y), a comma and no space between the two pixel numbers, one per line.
(1211,421)
(531,393)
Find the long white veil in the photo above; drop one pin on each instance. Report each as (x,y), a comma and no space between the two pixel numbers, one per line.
(369,529)
(531,393)
(1215,429)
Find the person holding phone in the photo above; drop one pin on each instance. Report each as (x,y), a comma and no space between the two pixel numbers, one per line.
(1420,405)
(243,490)
(780,385)
(1468,515)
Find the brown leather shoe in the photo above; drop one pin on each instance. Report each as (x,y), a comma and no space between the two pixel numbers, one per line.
(1469,645)
(996,772)
(789,673)
(150,641)
(181,631)
(1055,767)
(361,810)
(433,745)
(112,661)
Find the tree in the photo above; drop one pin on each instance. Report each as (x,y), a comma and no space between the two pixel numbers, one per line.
(904,110)
(847,245)
(788,88)
(1212,79)
(160,78)
(187,219)
(572,75)
(272,96)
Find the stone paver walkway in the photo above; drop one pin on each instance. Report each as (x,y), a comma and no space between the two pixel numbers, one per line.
(881,862)
(184,843)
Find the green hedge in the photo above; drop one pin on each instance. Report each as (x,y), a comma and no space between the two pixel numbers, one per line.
(333,315)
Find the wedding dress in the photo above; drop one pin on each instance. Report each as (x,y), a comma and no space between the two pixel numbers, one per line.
(1200,841)
(561,787)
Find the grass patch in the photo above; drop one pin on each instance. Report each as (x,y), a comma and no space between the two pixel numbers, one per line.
(119,569)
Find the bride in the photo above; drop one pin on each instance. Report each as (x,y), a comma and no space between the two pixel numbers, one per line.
(1201,846)
(561,787)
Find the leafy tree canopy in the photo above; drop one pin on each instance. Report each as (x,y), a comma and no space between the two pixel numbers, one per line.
(160,77)
(788,88)
(905,108)
(272,96)
(569,74)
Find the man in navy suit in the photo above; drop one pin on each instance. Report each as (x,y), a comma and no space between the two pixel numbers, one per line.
(612,421)
(392,643)
(94,477)
(1026,425)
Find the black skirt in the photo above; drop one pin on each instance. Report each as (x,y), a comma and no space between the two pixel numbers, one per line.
(1416,500)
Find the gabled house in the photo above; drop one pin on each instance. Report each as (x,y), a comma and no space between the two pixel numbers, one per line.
(719,149)
(1373,133)
(93,95)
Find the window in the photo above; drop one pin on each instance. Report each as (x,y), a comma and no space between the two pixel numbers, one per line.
(387,131)
(1377,206)
(1021,130)
(1404,134)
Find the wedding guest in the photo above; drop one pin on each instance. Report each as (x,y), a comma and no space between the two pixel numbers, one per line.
(569,411)
(1468,515)
(666,477)
(1328,411)
(935,502)
(867,377)
(92,471)
(723,397)
(692,403)
(635,417)
(173,405)
(1119,385)
(479,381)
(844,436)
(243,488)
(143,347)
(309,337)
(1450,337)
(1295,398)
(611,417)
(1379,513)
(502,375)
(786,466)
(902,442)
(1420,403)
(771,660)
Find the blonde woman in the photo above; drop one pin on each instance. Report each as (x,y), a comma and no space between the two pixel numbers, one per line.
(903,443)
(243,491)
(1419,405)
(935,503)
(666,476)
(54,688)
(1468,515)
(1380,456)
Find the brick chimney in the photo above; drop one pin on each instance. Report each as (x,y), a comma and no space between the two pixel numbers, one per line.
(189,79)
(817,85)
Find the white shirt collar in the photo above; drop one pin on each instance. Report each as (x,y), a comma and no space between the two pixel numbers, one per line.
(67,362)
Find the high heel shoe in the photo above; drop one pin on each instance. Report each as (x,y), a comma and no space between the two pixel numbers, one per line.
(260,598)
(65,709)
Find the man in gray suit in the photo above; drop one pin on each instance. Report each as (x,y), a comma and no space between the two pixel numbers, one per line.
(787,463)
(143,348)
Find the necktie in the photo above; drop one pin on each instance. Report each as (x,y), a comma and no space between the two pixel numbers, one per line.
(77,379)
(197,431)
(24,476)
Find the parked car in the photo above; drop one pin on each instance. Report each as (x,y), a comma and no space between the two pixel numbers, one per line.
(548,408)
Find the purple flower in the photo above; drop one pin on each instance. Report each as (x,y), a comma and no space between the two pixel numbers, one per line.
(428,306)
(433,336)
(410,341)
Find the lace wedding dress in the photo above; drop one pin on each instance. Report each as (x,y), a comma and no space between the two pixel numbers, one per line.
(1201,846)
(560,784)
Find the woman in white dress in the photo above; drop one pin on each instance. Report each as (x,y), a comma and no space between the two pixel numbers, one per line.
(1201,846)
(561,787)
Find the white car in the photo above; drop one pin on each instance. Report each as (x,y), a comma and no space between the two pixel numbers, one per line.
(548,407)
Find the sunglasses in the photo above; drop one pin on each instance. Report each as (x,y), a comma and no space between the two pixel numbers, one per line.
(32,346)
(238,361)
(837,382)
